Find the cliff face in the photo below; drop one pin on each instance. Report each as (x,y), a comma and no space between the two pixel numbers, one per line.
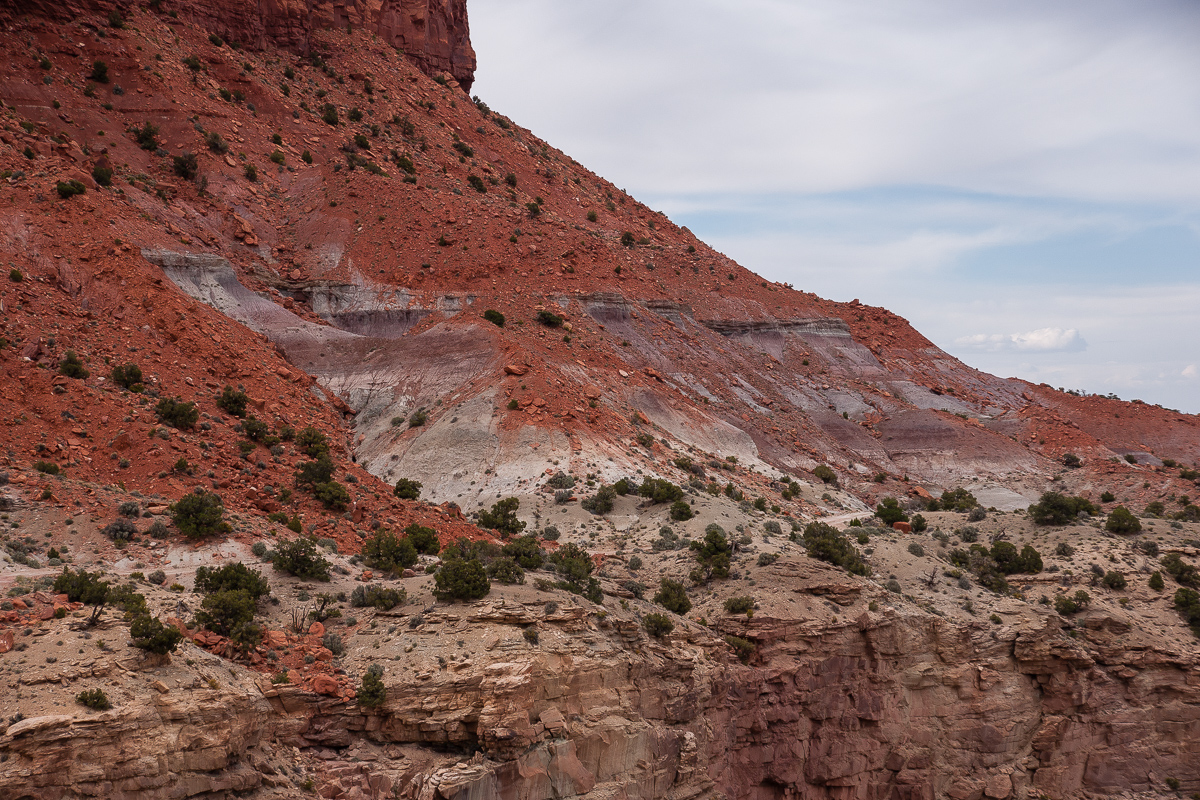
(885,705)
(434,34)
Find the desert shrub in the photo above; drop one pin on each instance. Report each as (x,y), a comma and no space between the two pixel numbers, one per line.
(1071,461)
(384,551)
(424,540)
(185,165)
(1184,573)
(1156,581)
(827,543)
(551,533)
(957,500)
(315,473)
(233,401)
(739,605)
(371,692)
(158,577)
(505,570)
(977,514)
(130,508)
(128,376)
(120,530)
(660,491)
(46,467)
(1187,603)
(333,643)
(199,514)
(226,610)
(379,597)
(1072,605)
(767,559)
(332,495)
(94,699)
(99,72)
(1064,550)
(772,527)
(561,480)
(713,553)
(601,502)
(890,512)
(672,596)
(495,317)
(1155,509)
(1189,513)
(916,549)
(549,319)
(301,557)
(1121,520)
(826,474)
(657,625)
(84,587)
(150,634)
(681,511)
(147,136)
(461,579)
(407,489)
(177,413)
(1107,497)
(71,366)
(526,551)
(229,577)
(918,523)
(1114,580)
(635,563)
(477,183)
(1059,509)
(502,517)
(68,189)
(102,175)
(418,418)
(312,443)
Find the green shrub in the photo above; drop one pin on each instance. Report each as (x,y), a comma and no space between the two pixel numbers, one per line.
(1184,573)
(1121,520)
(635,563)
(826,543)
(628,239)
(210,580)
(68,189)
(46,467)
(505,570)
(371,693)
(681,511)
(128,376)
(464,149)
(94,699)
(185,165)
(99,72)
(233,401)
(1058,509)
(660,491)
(312,443)
(477,183)
(502,517)
(120,530)
(251,173)
(713,553)
(919,524)
(72,367)
(384,551)
(158,577)
(424,540)
(407,489)
(1071,605)
(890,512)
(329,114)
(315,473)
(199,514)
(151,635)
(301,557)
(84,587)
(177,413)
(378,597)
(739,605)
(1187,603)
(601,502)
(657,625)
(1156,581)
(461,579)
(826,474)
(495,317)
(226,610)
(332,495)
(526,551)
(673,597)
(1114,580)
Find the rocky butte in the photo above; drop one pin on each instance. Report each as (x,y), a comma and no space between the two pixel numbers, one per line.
(536,495)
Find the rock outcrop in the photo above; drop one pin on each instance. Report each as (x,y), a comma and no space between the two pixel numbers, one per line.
(886,705)
(434,34)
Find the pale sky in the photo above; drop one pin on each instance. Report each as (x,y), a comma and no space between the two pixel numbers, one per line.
(1020,180)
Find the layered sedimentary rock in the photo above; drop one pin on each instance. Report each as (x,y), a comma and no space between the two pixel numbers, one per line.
(883,705)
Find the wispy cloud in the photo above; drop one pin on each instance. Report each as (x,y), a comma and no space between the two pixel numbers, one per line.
(1043,340)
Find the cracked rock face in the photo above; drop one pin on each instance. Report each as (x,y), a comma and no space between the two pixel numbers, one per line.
(886,705)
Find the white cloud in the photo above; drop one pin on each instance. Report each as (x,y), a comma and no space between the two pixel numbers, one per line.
(1042,340)
(1190,371)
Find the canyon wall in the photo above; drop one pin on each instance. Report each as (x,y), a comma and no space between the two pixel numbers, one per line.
(887,705)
